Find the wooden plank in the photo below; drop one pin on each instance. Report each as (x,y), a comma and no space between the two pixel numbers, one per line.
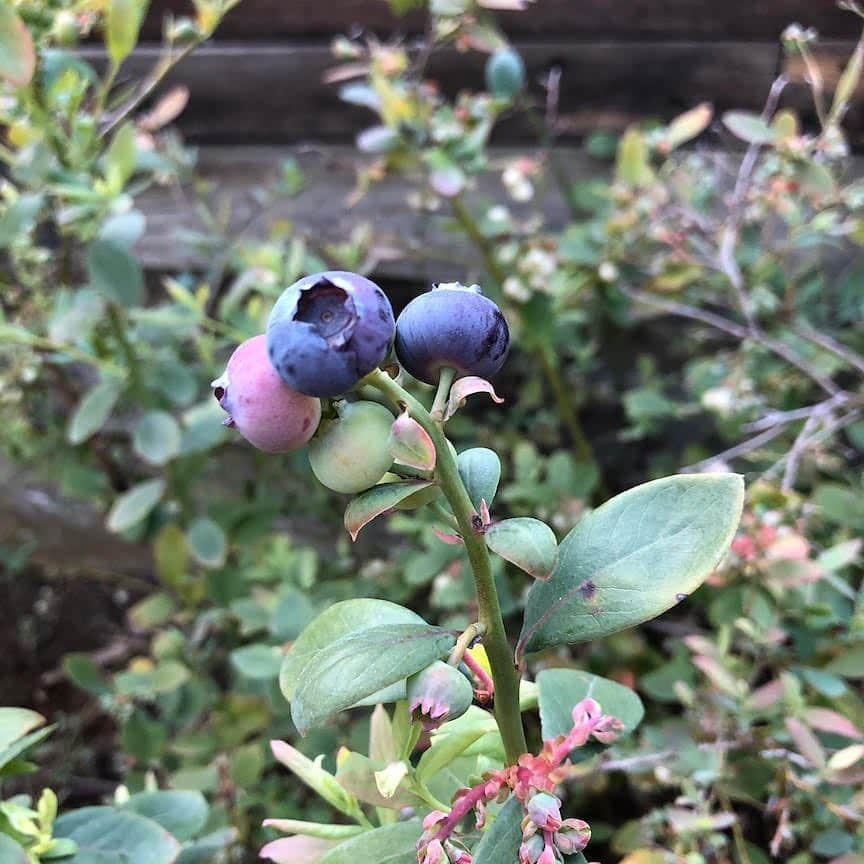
(409,245)
(581,19)
(269,93)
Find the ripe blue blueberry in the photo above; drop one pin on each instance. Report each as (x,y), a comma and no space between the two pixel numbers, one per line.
(260,406)
(327,331)
(505,73)
(452,325)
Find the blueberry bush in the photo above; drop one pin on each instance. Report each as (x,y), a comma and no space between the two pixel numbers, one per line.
(462,660)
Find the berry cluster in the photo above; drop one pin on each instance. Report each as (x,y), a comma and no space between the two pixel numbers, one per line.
(325,333)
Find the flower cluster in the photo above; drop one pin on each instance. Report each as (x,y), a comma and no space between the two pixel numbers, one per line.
(546,836)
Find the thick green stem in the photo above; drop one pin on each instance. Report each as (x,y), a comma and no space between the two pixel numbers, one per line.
(504,673)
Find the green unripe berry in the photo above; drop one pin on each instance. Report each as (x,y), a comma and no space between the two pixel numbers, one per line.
(505,74)
(351,453)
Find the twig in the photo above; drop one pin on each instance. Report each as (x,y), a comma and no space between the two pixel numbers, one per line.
(756,335)
(828,429)
(729,239)
(738,450)
(829,344)
(775,418)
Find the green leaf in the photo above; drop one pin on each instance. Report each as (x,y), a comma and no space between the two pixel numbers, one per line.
(322,831)
(206,849)
(561,689)
(114,271)
(316,778)
(685,127)
(94,409)
(443,749)
(11,852)
(157,437)
(377,500)
(120,158)
(632,166)
(500,844)
(849,664)
(15,723)
(82,671)
(122,26)
(339,620)
(748,127)
(257,662)
(181,814)
(480,470)
(21,745)
(356,773)
(104,835)
(163,678)
(362,663)
(152,611)
(847,84)
(135,504)
(633,558)
(207,542)
(171,555)
(392,844)
(17,57)
(124,229)
(528,543)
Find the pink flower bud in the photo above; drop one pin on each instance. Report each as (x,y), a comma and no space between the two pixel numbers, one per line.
(572,836)
(544,810)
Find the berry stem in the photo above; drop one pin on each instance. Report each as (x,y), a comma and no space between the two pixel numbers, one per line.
(442,394)
(504,674)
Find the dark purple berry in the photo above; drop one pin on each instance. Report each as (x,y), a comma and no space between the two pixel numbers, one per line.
(452,325)
(260,406)
(327,331)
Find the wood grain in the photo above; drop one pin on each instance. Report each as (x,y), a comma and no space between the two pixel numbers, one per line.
(274,93)
(581,19)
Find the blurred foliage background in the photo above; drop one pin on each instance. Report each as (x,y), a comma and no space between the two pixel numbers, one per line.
(675,235)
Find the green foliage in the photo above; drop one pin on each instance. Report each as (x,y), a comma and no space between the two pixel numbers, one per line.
(633,558)
(688,306)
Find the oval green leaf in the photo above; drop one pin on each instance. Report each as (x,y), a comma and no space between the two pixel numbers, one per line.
(360,664)
(102,832)
(135,504)
(207,542)
(181,814)
(157,437)
(377,500)
(500,844)
(93,410)
(340,619)
(115,272)
(633,558)
(392,844)
(528,543)
(480,470)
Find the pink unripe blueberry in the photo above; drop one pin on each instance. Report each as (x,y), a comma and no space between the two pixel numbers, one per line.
(260,406)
